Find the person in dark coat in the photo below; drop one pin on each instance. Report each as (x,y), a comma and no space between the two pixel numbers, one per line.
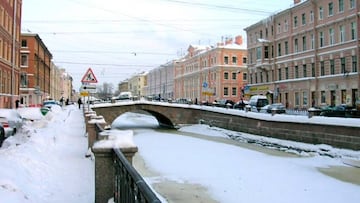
(79,102)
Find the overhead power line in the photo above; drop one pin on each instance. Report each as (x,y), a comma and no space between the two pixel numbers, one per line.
(229,8)
(114,52)
(105,64)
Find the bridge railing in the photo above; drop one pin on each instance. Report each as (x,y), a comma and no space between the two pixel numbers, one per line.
(129,185)
(115,177)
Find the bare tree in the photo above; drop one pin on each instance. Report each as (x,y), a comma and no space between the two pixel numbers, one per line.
(105,91)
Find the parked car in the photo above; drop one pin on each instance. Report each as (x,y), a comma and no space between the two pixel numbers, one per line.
(276,108)
(241,104)
(2,134)
(225,103)
(256,102)
(11,121)
(341,110)
(49,103)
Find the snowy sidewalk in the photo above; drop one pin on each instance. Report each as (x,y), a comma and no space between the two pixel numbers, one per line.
(46,162)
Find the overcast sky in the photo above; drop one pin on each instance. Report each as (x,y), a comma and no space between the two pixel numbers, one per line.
(120,38)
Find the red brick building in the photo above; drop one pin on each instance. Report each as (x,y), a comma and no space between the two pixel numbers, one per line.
(209,73)
(35,70)
(10,28)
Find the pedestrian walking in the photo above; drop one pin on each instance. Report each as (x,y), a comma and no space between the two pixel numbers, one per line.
(79,102)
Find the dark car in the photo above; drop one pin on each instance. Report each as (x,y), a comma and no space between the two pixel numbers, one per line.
(275,108)
(240,104)
(2,134)
(225,103)
(341,110)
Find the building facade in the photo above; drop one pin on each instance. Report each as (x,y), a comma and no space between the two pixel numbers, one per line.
(160,81)
(307,55)
(35,73)
(209,73)
(136,85)
(10,29)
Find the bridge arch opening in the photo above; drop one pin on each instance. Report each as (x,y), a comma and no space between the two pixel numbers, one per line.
(142,119)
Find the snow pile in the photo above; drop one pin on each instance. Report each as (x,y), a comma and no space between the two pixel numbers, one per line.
(116,139)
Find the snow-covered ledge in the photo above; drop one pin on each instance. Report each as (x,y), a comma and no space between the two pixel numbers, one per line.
(91,129)
(104,160)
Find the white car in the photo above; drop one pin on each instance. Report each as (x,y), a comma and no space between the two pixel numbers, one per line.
(11,121)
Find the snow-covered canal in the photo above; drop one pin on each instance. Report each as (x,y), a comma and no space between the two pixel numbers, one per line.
(199,163)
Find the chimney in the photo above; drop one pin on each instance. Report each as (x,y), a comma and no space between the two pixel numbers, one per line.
(297,1)
(238,40)
(228,41)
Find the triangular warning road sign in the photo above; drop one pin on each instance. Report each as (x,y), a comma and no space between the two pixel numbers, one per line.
(89,77)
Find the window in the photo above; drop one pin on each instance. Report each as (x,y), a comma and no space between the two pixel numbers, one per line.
(286,73)
(353,31)
(297,99)
(304,71)
(331,36)
(24,82)
(234,60)
(23,43)
(24,60)
(322,68)
(226,75)
(312,41)
(286,48)
(343,67)
(279,49)
(341,6)
(244,60)
(286,26)
(304,43)
(332,67)
(226,91)
(331,9)
(313,70)
(342,33)
(343,96)
(354,64)
(296,71)
(303,19)
(279,74)
(226,60)
(266,52)
(295,21)
(305,98)
(323,97)
(234,76)
(261,77)
(234,91)
(321,13)
(244,76)
(352,4)
(279,28)
(311,16)
(296,46)
(258,53)
(321,36)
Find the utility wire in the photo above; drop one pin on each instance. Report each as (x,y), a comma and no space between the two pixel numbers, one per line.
(229,8)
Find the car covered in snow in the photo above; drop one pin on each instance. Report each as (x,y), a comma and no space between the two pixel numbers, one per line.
(11,121)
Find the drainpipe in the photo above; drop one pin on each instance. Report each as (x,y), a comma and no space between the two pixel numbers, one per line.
(13,57)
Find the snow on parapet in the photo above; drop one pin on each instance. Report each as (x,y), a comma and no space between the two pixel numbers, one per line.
(116,139)
(96,119)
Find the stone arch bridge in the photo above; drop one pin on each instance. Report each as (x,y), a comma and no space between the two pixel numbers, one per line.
(174,115)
